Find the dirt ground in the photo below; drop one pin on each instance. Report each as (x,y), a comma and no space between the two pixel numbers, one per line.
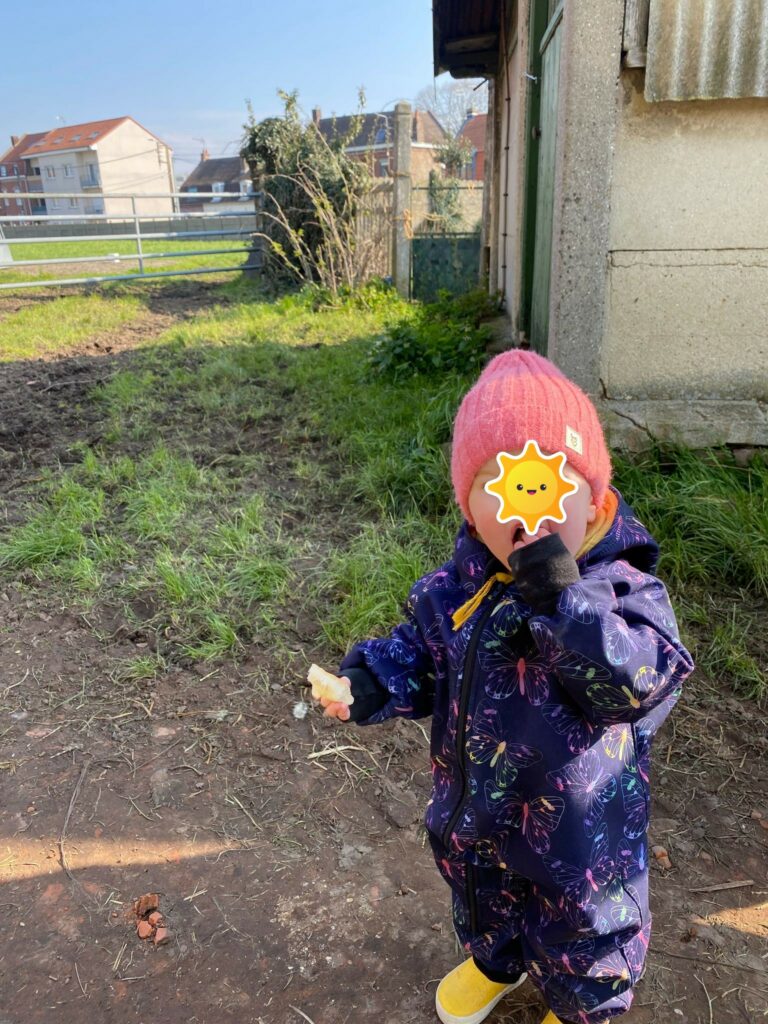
(287,853)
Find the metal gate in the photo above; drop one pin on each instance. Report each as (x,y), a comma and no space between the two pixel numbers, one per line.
(445,219)
(444,262)
(147,233)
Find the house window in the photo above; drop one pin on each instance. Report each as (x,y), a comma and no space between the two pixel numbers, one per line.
(383,168)
(217,186)
(73,203)
(381,136)
(3,171)
(68,171)
(246,188)
(50,172)
(15,169)
(192,188)
(54,204)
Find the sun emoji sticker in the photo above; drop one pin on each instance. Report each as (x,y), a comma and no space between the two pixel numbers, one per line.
(531,487)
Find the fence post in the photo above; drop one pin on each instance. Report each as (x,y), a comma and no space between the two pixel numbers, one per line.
(401,201)
(5,249)
(137,228)
(254,264)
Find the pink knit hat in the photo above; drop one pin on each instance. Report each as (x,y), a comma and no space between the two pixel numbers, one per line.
(520,396)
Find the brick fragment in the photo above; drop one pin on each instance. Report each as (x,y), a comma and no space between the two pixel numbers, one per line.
(146,904)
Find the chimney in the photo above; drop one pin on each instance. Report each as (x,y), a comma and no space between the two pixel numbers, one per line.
(316,115)
(14,140)
(205,155)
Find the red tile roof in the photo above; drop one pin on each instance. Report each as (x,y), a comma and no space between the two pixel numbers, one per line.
(69,136)
(473,130)
(16,152)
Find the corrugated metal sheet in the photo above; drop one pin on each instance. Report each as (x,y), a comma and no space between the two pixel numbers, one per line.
(707,49)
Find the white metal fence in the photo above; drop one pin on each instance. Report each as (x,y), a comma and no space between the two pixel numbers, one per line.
(22,229)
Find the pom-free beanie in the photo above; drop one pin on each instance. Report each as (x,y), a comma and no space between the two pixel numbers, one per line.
(522,396)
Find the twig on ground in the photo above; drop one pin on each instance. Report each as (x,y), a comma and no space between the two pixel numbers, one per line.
(711,963)
(63,833)
(249,816)
(159,754)
(301,1013)
(77,973)
(723,885)
(709,1000)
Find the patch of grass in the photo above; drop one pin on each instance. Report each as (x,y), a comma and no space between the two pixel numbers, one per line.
(252,395)
(46,327)
(710,517)
(141,669)
(371,578)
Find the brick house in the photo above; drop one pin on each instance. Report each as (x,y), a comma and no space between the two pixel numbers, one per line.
(374,141)
(473,131)
(93,159)
(20,183)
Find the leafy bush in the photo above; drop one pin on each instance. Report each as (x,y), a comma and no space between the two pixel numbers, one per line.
(312,193)
(437,338)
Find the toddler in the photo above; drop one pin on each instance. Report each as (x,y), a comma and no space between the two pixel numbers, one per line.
(547,664)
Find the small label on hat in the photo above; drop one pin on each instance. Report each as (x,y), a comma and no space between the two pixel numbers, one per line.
(573,440)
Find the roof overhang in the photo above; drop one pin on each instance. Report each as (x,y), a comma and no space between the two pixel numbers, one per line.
(466,37)
(56,152)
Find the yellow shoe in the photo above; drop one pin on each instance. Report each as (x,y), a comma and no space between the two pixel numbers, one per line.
(466,996)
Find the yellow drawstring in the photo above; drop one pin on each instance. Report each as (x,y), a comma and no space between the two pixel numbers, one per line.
(594,535)
(461,615)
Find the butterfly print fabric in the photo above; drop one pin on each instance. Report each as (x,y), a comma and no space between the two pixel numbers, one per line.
(542,726)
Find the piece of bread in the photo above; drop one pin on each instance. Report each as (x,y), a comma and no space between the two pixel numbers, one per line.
(326,685)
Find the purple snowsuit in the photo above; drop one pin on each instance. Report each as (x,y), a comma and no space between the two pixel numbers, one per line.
(541,733)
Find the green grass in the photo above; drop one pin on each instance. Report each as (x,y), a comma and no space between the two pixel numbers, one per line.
(43,328)
(234,422)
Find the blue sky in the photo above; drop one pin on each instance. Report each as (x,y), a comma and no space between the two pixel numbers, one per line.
(184,69)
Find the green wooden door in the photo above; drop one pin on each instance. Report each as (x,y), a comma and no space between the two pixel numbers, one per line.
(545,178)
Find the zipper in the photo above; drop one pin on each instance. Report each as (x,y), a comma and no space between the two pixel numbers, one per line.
(461,723)
(472,898)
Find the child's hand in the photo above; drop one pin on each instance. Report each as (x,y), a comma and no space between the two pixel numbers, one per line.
(542,567)
(336,708)
(333,692)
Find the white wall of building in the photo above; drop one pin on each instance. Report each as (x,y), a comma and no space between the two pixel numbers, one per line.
(132,160)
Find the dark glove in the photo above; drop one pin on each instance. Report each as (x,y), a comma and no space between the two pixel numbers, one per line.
(542,570)
(369,696)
